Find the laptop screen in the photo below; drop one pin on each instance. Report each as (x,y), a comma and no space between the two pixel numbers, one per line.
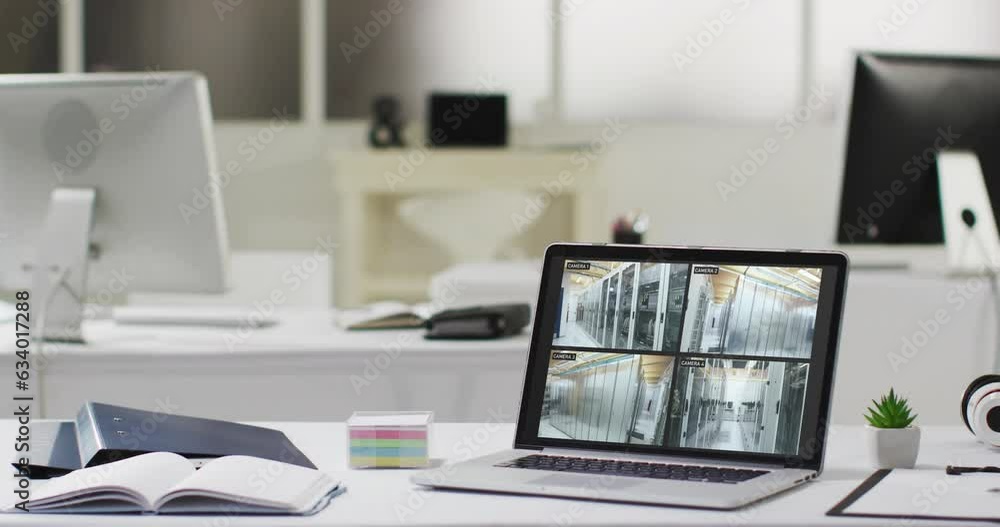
(662,356)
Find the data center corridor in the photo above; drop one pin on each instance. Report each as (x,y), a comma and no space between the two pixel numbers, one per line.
(607,397)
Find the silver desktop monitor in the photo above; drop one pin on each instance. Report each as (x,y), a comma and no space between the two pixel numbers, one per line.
(108,184)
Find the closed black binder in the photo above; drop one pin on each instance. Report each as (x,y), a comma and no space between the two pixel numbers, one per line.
(484,322)
(103,433)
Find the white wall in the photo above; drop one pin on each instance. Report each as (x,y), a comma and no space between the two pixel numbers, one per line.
(673,173)
(284,197)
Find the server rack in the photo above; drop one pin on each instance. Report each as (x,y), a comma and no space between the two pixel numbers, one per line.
(637,306)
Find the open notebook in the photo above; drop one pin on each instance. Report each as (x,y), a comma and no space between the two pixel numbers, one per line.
(165,483)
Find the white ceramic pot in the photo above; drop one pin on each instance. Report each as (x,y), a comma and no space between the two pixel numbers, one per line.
(893,447)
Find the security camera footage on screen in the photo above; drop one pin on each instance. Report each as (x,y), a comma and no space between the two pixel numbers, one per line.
(681,355)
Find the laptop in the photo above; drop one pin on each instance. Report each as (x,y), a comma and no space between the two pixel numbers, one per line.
(684,376)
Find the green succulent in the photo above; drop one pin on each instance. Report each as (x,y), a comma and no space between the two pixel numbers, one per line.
(890,412)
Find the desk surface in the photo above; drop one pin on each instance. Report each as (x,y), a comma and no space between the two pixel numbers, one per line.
(303,337)
(386,497)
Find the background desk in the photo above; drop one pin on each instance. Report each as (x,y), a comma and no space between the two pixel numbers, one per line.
(302,369)
(386,497)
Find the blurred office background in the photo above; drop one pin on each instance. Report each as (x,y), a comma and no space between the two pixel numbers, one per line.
(567,65)
(661,105)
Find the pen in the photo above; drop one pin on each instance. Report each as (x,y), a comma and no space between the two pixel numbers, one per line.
(958,471)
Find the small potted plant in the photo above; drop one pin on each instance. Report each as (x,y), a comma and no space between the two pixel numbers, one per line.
(892,439)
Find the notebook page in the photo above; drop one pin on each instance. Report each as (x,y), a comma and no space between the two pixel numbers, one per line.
(148,475)
(377,311)
(257,481)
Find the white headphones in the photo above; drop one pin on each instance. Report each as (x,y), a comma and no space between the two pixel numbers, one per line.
(981,409)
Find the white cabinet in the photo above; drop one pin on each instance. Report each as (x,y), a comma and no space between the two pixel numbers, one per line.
(381,257)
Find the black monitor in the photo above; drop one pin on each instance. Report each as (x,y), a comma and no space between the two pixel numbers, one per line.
(904,110)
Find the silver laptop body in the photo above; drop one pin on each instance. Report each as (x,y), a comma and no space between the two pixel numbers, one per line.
(656,385)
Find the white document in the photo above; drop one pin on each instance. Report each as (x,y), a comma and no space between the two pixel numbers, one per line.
(931,494)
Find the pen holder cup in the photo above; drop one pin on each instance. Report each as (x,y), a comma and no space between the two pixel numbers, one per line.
(389,439)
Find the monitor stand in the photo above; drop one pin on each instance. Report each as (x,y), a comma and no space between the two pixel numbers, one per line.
(970,230)
(59,274)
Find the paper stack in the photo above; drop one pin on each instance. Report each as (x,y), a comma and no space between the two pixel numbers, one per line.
(389,439)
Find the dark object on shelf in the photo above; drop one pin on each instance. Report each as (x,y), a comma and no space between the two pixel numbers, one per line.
(482,322)
(467,119)
(625,237)
(629,229)
(385,132)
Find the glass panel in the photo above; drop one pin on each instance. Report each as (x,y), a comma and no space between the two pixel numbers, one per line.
(609,315)
(30,30)
(408,49)
(660,405)
(676,287)
(249,51)
(631,406)
(646,306)
(607,397)
(793,393)
(602,307)
(589,405)
(768,317)
(737,331)
(753,336)
(592,322)
(699,297)
(623,331)
(619,406)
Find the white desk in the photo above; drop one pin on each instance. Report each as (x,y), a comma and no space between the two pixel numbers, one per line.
(302,368)
(305,369)
(385,497)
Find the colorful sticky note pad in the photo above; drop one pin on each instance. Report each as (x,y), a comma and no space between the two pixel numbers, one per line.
(388,439)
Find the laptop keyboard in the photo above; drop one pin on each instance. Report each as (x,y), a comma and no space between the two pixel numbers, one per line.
(633,469)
